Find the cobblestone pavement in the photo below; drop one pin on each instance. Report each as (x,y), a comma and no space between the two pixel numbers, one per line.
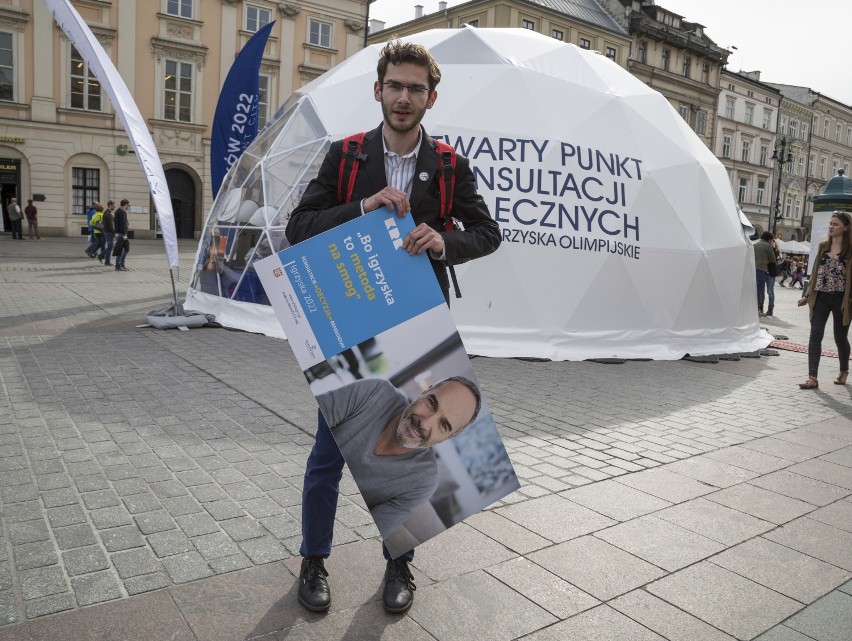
(150,485)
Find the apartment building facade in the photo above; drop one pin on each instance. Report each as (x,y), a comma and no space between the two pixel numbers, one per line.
(581,22)
(60,141)
(820,129)
(675,57)
(747,119)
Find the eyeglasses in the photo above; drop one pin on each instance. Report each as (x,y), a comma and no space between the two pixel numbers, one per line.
(414,91)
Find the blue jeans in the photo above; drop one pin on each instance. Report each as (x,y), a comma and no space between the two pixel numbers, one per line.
(770,288)
(106,251)
(119,260)
(319,495)
(95,244)
(762,278)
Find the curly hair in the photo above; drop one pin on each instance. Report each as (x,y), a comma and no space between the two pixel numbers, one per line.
(397,52)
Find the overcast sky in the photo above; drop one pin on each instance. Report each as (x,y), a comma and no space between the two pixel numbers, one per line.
(796,43)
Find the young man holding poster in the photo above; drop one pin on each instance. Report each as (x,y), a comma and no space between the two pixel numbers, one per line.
(399,169)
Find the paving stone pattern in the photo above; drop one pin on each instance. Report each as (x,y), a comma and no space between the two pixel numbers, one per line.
(161,471)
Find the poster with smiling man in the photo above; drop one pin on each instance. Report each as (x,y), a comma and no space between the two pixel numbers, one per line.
(370,329)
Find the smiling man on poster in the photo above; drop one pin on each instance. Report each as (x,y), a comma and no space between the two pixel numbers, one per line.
(387,441)
(399,166)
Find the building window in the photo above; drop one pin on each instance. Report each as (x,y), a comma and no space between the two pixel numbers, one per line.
(797,214)
(705,73)
(811,165)
(805,131)
(767,117)
(726,146)
(262,102)
(684,69)
(729,108)
(667,54)
(684,112)
(822,168)
(794,128)
(849,137)
(642,52)
(783,125)
(257,18)
(557,34)
(528,24)
(837,132)
(701,123)
(85,188)
(746,150)
(610,53)
(825,129)
(320,34)
(749,114)
(764,154)
(761,190)
(85,89)
(743,191)
(178,91)
(585,43)
(801,171)
(181,8)
(788,207)
(7,66)
(472,23)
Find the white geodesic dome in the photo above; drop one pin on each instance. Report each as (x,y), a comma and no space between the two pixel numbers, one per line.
(621,234)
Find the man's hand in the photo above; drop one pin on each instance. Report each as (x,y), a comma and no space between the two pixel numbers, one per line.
(423,238)
(802,301)
(393,199)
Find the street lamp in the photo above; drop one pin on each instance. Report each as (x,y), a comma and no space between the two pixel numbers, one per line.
(780,155)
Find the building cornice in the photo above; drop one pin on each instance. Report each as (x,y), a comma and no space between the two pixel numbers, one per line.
(13,19)
(161,48)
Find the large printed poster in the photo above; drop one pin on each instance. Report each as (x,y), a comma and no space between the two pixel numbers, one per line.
(377,344)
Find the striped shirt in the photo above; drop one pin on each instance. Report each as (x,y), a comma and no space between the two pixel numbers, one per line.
(399,170)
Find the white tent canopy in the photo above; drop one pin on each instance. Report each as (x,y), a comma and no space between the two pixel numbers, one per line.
(793,247)
(621,234)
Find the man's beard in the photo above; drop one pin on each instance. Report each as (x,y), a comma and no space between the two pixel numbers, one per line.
(409,423)
(417,116)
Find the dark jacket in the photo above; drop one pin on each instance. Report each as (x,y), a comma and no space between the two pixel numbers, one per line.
(121,221)
(109,222)
(319,209)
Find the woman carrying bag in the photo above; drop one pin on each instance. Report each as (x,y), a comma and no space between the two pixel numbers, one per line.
(829,294)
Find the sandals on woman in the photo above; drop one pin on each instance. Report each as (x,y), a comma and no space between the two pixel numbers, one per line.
(841,380)
(811,383)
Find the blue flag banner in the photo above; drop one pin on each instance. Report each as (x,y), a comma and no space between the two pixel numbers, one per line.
(235,121)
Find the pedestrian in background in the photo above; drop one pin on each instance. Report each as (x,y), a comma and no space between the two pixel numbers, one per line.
(97,225)
(829,294)
(784,270)
(15,216)
(122,245)
(90,212)
(798,276)
(764,255)
(109,233)
(32,218)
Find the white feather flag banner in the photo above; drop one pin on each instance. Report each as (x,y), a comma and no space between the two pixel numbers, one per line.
(93,53)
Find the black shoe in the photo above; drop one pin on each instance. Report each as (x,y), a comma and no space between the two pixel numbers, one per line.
(398,594)
(314,593)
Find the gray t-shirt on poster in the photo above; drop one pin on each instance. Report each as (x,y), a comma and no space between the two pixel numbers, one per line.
(392,486)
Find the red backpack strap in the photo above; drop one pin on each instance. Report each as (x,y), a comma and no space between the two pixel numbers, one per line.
(349,162)
(447,183)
